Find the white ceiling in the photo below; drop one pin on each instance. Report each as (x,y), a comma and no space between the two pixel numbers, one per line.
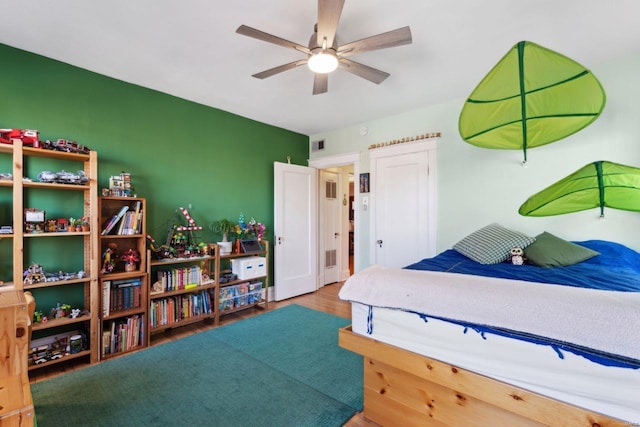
(189,48)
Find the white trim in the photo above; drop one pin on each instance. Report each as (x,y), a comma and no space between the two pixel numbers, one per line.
(343,160)
(412,147)
(337,160)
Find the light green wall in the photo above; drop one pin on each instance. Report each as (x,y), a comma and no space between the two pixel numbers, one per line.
(478,186)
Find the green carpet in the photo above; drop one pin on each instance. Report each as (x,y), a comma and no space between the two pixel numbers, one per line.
(281,368)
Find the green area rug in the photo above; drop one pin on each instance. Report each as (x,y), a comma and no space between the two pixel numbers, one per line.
(281,368)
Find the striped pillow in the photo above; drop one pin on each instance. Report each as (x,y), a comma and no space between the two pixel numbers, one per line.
(492,244)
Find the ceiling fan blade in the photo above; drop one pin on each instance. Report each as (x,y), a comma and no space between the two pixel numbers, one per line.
(373,75)
(398,37)
(329,12)
(320,83)
(275,70)
(261,35)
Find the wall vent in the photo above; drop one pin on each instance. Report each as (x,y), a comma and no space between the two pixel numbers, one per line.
(317,145)
(330,258)
(330,190)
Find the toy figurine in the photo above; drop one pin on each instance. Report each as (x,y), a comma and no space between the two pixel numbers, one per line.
(517,256)
(109,259)
(34,274)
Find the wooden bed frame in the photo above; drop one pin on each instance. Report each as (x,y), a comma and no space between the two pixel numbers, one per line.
(408,389)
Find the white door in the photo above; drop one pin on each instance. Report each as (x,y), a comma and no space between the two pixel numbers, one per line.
(329,235)
(295,247)
(403,204)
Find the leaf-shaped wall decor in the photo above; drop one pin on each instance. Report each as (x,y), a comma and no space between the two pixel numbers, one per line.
(595,185)
(532,97)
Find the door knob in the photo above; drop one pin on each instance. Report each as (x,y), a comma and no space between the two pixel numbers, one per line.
(379,242)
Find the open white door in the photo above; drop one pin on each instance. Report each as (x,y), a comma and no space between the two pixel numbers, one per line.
(329,234)
(295,222)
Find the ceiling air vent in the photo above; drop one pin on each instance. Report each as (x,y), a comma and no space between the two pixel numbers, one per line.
(317,145)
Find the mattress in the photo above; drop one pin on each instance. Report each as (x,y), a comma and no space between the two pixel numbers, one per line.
(565,376)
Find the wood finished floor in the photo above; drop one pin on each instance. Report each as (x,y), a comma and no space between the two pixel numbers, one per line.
(325,299)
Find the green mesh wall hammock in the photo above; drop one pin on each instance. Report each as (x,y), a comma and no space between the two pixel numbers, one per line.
(597,184)
(532,97)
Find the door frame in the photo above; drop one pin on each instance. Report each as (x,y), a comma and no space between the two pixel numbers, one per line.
(338,160)
(429,145)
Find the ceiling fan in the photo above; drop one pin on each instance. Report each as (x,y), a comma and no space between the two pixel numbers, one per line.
(324,54)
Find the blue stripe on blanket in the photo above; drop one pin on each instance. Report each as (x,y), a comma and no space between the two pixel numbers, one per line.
(595,356)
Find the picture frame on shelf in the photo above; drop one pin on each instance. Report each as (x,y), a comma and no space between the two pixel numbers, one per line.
(250,246)
(34,220)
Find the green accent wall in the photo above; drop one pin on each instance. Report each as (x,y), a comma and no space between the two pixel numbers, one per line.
(178,152)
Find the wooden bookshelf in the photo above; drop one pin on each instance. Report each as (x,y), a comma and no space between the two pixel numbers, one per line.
(182,290)
(123,289)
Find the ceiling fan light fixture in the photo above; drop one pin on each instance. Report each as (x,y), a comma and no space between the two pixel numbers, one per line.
(323,61)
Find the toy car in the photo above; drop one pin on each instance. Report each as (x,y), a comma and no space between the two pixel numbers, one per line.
(6,135)
(28,136)
(65,177)
(47,176)
(56,355)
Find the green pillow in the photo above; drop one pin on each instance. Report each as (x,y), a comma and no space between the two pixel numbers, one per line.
(551,251)
(492,244)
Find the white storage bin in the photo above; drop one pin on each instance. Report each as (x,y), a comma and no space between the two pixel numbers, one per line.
(249,267)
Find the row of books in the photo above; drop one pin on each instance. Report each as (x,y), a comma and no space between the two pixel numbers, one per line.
(165,311)
(180,278)
(240,295)
(128,221)
(123,335)
(120,295)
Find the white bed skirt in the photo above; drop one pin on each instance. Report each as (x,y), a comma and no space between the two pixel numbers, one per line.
(612,391)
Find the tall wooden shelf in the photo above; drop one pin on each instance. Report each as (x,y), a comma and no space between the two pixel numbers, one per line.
(26,188)
(123,294)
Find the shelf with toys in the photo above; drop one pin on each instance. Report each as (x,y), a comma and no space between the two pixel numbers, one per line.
(49,259)
(244,279)
(123,277)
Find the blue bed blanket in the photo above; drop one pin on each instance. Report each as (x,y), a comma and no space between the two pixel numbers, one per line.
(617,268)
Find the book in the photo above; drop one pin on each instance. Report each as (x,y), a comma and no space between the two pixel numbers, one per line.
(106,296)
(114,220)
(135,219)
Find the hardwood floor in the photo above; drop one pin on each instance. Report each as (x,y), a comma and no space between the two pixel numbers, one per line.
(325,299)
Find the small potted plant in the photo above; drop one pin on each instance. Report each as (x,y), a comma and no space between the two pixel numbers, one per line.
(84,223)
(224,227)
(130,258)
(75,224)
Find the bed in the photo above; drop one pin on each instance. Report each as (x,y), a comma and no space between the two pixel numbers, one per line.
(449,341)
